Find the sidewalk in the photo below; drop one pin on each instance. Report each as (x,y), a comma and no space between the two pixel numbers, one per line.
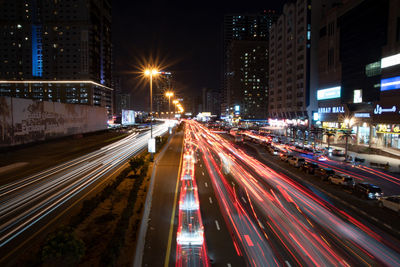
(394,164)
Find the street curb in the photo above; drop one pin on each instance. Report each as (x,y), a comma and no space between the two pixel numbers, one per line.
(137,262)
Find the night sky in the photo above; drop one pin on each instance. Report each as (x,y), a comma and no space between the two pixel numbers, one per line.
(185,37)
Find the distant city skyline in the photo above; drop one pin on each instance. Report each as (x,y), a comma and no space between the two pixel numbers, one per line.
(193,47)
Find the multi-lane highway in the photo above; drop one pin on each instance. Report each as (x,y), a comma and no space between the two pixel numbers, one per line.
(27,204)
(277,221)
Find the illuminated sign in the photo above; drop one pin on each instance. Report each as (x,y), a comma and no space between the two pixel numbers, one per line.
(379,110)
(357,96)
(390,83)
(327,124)
(383,128)
(316,116)
(362,115)
(328,93)
(390,61)
(151,145)
(128,117)
(325,110)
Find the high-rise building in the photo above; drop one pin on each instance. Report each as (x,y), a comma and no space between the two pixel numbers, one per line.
(164,84)
(248,79)
(289,62)
(57,51)
(210,101)
(123,101)
(245,33)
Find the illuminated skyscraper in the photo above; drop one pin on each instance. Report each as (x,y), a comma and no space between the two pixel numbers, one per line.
(245,81)
(60,49)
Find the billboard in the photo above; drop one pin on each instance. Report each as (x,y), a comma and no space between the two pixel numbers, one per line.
(26,120)
(329,93)
(128,117)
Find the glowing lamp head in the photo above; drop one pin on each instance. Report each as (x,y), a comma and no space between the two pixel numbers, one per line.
(169,94)
(150,72)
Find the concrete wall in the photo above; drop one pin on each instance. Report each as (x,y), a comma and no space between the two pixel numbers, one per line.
(24,120)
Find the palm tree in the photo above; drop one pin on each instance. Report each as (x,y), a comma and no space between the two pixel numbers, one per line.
(329,133)
(5,113)
(346,134)
(316,132)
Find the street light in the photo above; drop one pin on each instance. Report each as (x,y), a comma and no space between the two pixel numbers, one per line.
(150,73)
(169,95)
(175,102)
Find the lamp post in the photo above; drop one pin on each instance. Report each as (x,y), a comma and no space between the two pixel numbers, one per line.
(169,95)
(150,73)
(175,102)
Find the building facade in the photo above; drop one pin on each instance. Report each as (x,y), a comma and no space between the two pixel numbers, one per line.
(293,75)
(245,33)
(57,51)
(359,85)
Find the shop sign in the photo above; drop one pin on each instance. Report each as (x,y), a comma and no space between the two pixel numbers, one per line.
(390,83)
(362,115)
(327,124)
(388,129)
(379,110)
(326,110)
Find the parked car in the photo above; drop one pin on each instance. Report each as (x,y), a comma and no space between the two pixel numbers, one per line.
(271,149)
(324,173)
(390,202)
(338,152)
(342,179)
(296,161)
(276,152)
(309,167)
(367,190)
(285,157)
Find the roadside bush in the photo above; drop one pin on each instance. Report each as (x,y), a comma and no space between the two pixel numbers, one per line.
(112,251)
(90,205)
(62,248)
(136,163)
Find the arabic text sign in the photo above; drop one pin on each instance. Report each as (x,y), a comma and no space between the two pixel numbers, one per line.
(379,110)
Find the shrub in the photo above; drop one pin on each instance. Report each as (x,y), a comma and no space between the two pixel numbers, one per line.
(136,163)
(62,248)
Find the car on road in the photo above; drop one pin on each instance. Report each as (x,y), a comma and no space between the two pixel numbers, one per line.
(296,161)
(342,179)
(324,173)
(309,167)
(390,202)
(367,190)
(338,153)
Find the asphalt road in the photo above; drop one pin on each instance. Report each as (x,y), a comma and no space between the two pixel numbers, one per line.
(299,224)
(221,250)
(159,241)
(30,204)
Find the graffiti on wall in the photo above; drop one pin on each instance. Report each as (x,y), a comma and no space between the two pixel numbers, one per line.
(25,120)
